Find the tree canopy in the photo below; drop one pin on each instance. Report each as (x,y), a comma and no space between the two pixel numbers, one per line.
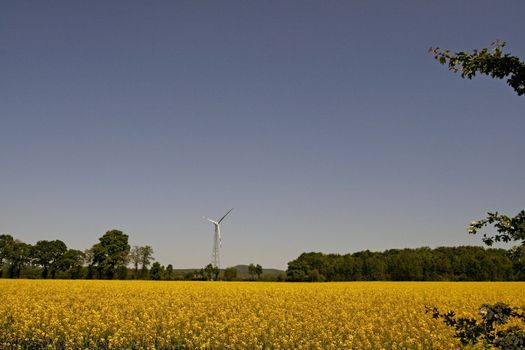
(110,253)
(48,255)
(509,229)
(490,61)
(467,263)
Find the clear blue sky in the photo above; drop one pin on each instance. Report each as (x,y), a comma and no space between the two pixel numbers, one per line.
(326,125)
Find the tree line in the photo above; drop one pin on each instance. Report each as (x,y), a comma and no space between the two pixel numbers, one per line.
(465,263)
(107,259)
(111,258)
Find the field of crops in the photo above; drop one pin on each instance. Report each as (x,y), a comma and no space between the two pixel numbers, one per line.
(216,315)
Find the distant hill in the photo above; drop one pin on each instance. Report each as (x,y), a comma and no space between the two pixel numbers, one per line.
(242,271)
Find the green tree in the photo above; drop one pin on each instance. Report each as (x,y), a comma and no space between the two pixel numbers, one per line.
(258,271)
(19,255)
(251,271)
(195,275)
(122,271)
(71,262)
(315,276)
(421,264)
(146,257)
(211,272)
(297,269)
(88,261)
(135,259)
(110,253)
(48,254)
(6,245)
(230,274)
(489,61)
(490,329)
(169,272)
(155,272)
(509,229)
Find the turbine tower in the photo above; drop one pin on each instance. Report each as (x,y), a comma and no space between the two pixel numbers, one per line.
(215,256)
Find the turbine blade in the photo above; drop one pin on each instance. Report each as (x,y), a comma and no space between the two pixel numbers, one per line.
(225,215)
(210,220)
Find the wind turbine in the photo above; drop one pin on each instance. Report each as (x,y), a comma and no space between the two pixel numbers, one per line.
(215,256)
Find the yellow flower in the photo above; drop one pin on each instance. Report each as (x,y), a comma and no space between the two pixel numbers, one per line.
(242,315)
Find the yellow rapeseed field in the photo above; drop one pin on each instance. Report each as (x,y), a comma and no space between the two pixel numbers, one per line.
(37,314)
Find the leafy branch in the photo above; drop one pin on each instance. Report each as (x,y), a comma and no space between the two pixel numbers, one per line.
(508,229)
(489,61)
(471,331)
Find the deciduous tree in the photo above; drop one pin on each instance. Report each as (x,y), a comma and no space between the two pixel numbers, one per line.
(251,271)
(71,262)
(155,272)
(135,258)
(258,271)
(230,274)
(146,257)
(508,229)
(19,255)
(169,272)
(48,254)
(6,245)
(211,272)
(111,252)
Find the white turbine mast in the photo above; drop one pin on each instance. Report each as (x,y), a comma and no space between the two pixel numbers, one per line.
(215,255)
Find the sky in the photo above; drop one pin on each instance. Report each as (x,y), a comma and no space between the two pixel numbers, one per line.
(326,125)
